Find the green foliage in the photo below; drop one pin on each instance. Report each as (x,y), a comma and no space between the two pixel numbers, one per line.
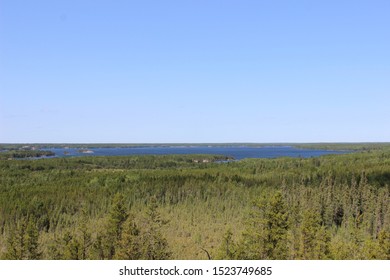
(19,154)
(121,238)
(228,249)
(314,237)
(23,241)
(384,244)
(330,207)
(65,247)
(85,236)
(117,217)
(129,245)
(154,244)
(266,235)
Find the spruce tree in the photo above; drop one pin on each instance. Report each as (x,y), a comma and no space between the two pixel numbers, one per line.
(384,244)
(155,245)
(129,247)
(266,234)
(85,238)
(276,228)
(228,248)
(116,218)
(22,242)
(31,241)
(314,237)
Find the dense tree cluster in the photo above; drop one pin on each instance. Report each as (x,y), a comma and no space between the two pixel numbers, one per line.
(19,154)
(182,207)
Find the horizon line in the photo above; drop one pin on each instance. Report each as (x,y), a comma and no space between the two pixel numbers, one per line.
(198,143)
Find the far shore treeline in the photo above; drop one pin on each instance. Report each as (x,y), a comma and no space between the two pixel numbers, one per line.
(194,206)
(325,146)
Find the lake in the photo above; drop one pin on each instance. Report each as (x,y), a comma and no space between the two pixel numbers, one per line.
(237,152)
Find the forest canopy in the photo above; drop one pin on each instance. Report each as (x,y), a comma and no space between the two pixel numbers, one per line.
(186,207)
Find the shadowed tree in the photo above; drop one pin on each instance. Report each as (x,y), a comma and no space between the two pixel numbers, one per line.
(266,235)
(314,237)
(116,218)
(129,244)
(108,236)
(22,242)
(384,244)
(155,245)
(228,248)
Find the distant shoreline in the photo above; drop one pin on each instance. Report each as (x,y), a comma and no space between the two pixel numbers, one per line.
(237,152)
(83,146)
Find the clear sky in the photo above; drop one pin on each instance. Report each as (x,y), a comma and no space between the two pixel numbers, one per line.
(194,71)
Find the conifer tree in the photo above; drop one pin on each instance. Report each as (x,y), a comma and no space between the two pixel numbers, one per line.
(85,238)
(116,218)
(16,242)
(384,244)
(314,237)
(64,247)
(276,228)
(155,245)
(23,241)
(266,235)
(129,244)
(227,250)
(31,241)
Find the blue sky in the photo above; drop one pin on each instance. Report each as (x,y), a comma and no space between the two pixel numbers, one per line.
(194,71)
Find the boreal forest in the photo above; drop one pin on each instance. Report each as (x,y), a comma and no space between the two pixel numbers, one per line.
(196,207)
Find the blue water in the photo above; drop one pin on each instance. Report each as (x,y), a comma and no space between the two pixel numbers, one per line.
(235,152)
